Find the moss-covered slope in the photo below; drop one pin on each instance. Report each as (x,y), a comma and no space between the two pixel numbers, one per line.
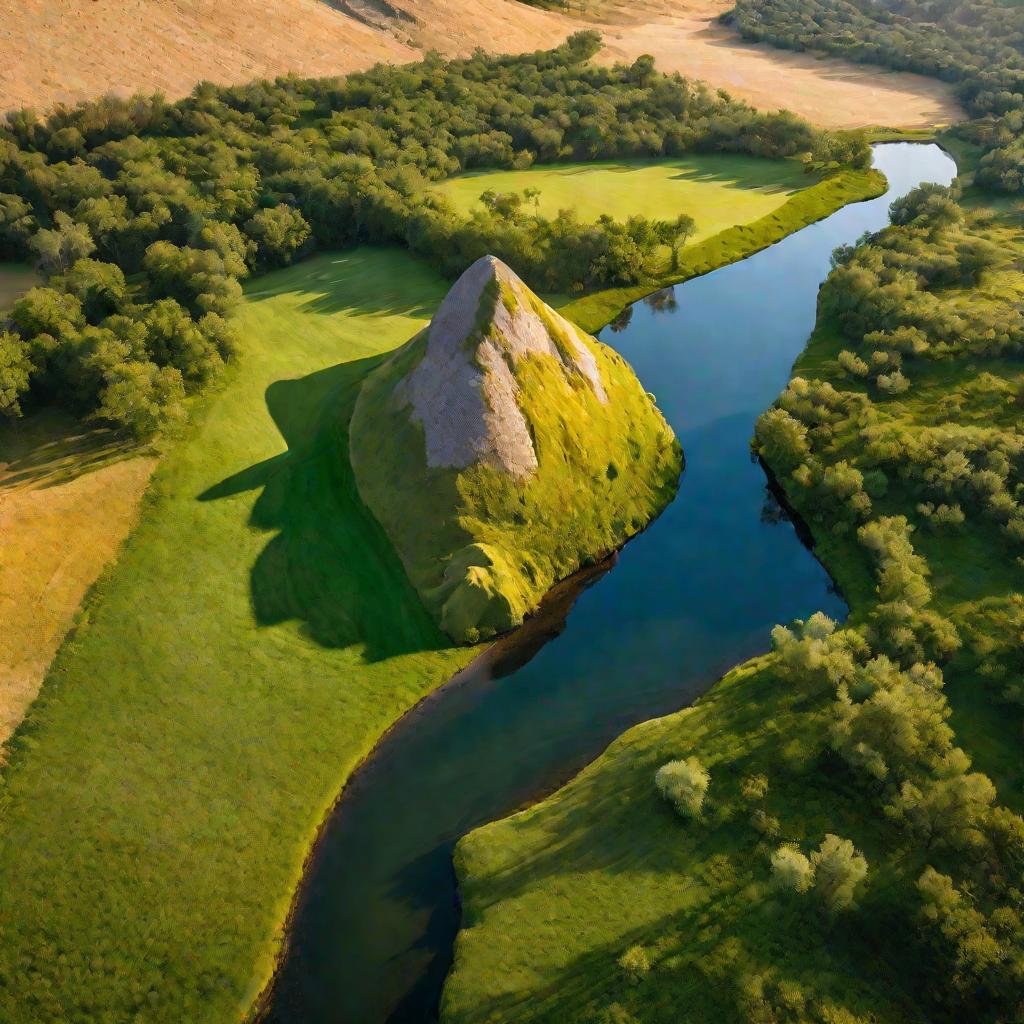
(503,448)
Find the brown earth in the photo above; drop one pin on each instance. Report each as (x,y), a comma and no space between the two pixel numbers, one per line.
(69,50)
(68,498)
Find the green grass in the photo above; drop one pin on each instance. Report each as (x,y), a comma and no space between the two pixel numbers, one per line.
(553,896)
(15,278)
(717,190)
(255,639)
(251,645)
(811,204)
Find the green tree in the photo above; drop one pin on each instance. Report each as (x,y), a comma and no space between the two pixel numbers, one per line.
(683,784)
(15,368)
(838,871)
(58,248)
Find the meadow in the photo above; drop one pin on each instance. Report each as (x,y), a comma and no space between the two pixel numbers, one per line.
(718,190)
(255,638)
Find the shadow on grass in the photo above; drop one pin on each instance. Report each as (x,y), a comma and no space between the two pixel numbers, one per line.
(329,565)
(49,448)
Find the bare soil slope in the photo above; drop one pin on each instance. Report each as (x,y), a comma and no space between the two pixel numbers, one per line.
(69,50)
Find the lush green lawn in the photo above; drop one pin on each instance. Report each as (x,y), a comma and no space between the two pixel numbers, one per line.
(15,278)
(256,637)
(718,190)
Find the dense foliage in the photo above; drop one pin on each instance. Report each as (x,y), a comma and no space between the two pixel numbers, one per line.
(978,44)
(145,215)
(931,303)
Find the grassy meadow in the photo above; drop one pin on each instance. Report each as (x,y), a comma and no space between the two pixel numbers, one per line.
(250,646)
(717,189)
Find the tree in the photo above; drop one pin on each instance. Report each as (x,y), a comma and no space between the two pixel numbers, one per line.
(838,870)
(791,870)
(100,287)
(57,249)
(142,397)
(949,809)
(675,234)
(684,785)
(15,368)
(782,439)
(279,232)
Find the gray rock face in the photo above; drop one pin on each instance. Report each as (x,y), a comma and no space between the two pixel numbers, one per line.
(464,390)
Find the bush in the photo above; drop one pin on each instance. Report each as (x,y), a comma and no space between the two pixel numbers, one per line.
(635,964)
(684,785)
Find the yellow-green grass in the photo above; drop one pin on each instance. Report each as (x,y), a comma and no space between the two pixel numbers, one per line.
(554,896)
(718,190)
(253,642)
(805,207)
(15,278)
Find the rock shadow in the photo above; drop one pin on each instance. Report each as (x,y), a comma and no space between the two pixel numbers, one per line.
(329,565)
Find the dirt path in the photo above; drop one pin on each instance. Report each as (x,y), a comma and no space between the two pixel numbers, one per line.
(69,50)
(68,499)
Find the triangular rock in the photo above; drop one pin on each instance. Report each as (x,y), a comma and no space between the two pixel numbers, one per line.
(502,448)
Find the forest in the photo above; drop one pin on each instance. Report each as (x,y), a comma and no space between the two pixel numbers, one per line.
(144,215)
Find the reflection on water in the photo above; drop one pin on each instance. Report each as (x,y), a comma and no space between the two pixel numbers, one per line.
(696,593)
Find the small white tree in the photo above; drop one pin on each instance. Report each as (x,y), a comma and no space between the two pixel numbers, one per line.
(684,785)
(838,870)
(791,870)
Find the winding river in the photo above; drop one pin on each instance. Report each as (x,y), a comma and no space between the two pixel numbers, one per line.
(693,595)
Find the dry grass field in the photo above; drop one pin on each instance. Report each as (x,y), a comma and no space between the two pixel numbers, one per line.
(68,50)
(68,497)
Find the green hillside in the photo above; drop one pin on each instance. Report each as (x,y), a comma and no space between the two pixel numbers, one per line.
(502,449)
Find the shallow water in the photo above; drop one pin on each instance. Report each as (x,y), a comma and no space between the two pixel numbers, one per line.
(695,594)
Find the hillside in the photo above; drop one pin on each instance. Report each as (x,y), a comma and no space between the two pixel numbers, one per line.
(64,51)
(502,448)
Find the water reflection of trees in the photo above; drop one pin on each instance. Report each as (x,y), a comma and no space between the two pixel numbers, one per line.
(621,322)
(663,300)
(772,512)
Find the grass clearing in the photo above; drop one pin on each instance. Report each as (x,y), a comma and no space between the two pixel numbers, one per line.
(718,190)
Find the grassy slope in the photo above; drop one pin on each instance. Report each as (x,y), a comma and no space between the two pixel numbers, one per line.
(717,190)
(172,761)
(553,896)
(256,637)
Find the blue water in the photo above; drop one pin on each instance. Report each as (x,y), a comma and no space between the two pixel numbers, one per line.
(696,593)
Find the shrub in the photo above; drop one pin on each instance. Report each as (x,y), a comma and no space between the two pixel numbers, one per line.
(635,964)
(791,870)
(684,785)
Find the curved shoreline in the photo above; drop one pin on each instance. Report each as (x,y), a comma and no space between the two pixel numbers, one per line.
(872,185)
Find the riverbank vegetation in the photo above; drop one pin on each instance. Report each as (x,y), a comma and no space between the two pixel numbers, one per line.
(898,441)
(144,216)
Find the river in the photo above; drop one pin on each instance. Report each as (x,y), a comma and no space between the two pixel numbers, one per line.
(693,595)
